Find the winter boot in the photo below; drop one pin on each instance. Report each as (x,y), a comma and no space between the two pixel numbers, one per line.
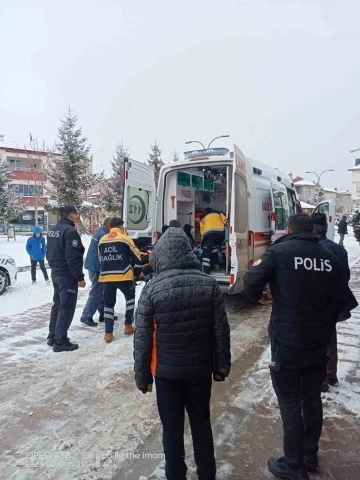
(311,462)
(67,346)
(108,337)
(50,341)
(128,329)
(280,469)
(333,381)
(34,282)
(88,321)
(325,386)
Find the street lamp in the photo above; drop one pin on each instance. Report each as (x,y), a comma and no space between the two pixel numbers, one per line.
(213,140)
(195,141)
(203,146)
(319,177)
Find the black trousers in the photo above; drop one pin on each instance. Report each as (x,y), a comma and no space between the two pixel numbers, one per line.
(210,254)
(42,268)
(63,309)
(299,395)
(173,397)
(127,288)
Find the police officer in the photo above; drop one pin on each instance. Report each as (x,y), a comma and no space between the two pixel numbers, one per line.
(120,263)
(307,301)
(65,257)
(212,230)
(320,230)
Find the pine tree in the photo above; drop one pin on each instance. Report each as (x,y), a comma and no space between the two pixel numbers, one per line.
(176,156)
(155,160)
(114,187)
(70,173)
(356,226)
(10,206)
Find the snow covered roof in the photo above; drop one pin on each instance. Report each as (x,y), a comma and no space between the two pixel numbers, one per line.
(330,190)
(354,168)
(304,183)
(88,204)
(307,205)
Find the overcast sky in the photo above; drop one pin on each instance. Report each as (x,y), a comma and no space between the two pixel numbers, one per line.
(282,78)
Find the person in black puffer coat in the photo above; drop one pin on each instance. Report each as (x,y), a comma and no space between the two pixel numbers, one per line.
(182,338)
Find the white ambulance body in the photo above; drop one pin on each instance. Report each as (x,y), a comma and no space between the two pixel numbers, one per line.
(256,198)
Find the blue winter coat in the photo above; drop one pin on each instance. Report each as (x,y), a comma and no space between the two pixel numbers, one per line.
(36,247)
(92,257)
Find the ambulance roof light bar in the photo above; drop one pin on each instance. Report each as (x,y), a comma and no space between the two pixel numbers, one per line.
(206,152)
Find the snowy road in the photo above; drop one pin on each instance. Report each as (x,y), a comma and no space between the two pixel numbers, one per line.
(79,415)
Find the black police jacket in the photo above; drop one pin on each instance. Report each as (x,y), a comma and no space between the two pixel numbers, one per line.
(65,251)
(307,293)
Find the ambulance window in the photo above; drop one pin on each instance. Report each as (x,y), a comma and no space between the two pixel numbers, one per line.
(323,208)
(138,207)
(240,202)
(281,210)
(292,202)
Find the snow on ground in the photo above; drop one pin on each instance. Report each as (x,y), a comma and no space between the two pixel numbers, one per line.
(85,403)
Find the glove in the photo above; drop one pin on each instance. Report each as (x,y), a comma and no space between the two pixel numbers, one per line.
(218,377)
(148,387)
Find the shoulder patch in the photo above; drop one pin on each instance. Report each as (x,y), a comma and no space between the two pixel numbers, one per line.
(257,263)
(112,235)
(75,243)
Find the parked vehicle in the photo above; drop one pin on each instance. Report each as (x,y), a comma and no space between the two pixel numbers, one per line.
(256,198)
(8,272)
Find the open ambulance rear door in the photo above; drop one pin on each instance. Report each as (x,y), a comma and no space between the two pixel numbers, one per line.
(280,209)
(139,201)
(328,207)
(238,228)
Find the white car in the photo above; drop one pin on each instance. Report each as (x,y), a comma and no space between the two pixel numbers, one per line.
(8,272)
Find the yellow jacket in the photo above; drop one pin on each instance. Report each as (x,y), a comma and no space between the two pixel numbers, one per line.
(119,257)
(212,223)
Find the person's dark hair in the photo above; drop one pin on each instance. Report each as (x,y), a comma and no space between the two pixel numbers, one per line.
(116,222)
(106,222)
(175,223)
(344,217)
(187,228)
(208,210)
(300,223)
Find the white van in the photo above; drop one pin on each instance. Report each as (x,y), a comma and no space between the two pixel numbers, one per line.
(256,198)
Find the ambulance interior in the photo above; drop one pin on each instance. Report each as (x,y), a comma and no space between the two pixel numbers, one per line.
(189,191)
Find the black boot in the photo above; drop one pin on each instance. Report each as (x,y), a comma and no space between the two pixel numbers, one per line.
(88,321)
(333,381)
(280,469)
(50,341)
(67,346)
(311,462)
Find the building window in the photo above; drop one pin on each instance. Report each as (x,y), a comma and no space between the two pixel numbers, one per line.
(27,190)
(14,163)
(358,187)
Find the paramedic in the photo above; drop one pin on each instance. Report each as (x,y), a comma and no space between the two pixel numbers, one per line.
(212,230)
(307,302)
(120,263)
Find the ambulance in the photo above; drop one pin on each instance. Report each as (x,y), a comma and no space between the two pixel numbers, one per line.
(256,198)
